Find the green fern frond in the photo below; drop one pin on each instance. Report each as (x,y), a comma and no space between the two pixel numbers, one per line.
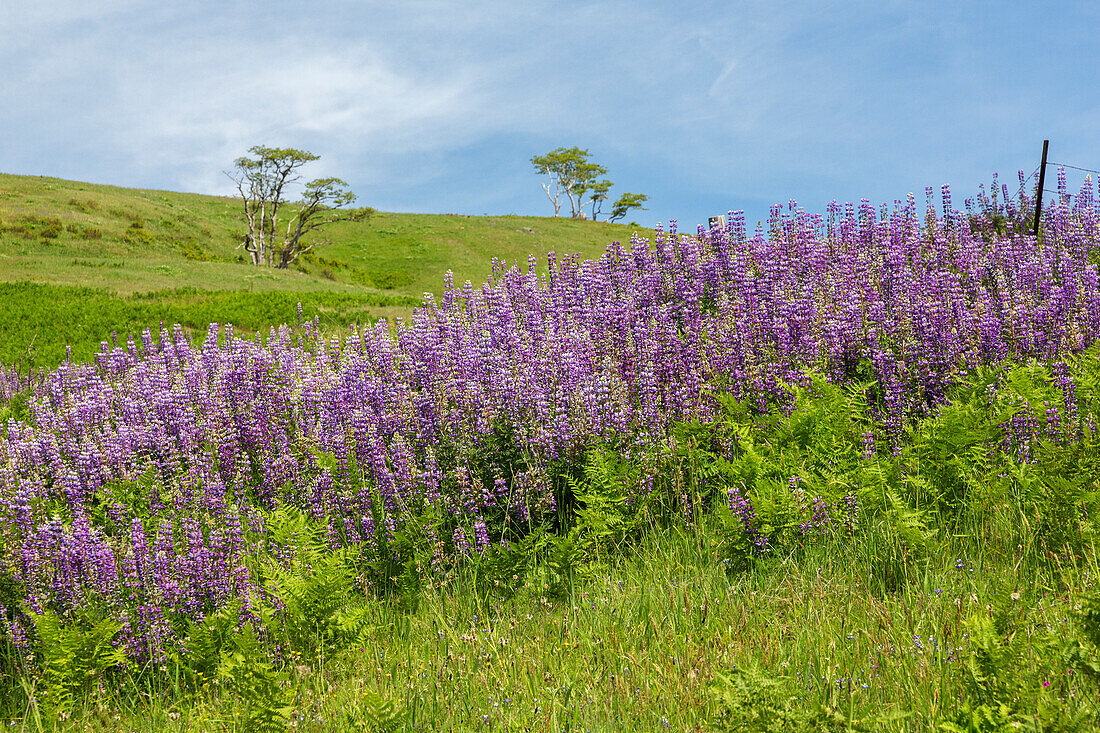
(373,712)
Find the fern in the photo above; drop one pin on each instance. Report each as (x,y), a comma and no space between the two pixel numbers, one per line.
(502,569)
(372,712)
(752,701)
(601,522)
(73,656)
(203,643)
(1083,653)
(220,649)
(997,696)
(315,587)
(245,669)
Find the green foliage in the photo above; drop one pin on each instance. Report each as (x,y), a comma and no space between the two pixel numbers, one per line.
(314,584)
(83,205)
(569,169)
(370,711)
(984,718)
(1089,622)
(1050,476)
(897,539)
(226,652)
(383,279)
(500,570)
(955,450)
(823,455)
(16,409)
(572,173)
(73,655)
(203,643)
(998,696)
(131,494)
(1082,654)
(600,524)
(750,700)
(387,279)
(243,668)
(197,253)
(400,566)
(598,195)
(625,203)
(801,474)
(136,234)
(995,650)
(34,227)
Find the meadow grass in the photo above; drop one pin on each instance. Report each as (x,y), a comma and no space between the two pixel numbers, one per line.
(69,232)
(649,644)
(43,320)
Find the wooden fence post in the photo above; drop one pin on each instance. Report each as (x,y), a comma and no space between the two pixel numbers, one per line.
(1039,195)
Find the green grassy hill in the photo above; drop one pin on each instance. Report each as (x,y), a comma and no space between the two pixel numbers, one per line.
(109,259)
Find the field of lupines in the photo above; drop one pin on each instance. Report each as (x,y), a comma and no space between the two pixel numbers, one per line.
(148,491)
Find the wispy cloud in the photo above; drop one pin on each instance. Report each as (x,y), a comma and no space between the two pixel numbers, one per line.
(347,100)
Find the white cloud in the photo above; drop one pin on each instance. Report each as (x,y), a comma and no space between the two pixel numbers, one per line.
(348,99)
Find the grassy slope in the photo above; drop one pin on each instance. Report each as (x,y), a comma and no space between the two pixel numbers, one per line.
(124,242)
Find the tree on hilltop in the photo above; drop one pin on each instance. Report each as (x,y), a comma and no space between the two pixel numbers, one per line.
(564,167)
(573,174)
(585,182)
(598,196)
(262,183)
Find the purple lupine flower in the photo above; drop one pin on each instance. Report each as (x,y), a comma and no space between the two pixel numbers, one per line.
(850,510)
(818,520)
(481,535)
(744,510)
(462,545)
(868,445)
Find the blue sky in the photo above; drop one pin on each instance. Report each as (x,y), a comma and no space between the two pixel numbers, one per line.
(430,106)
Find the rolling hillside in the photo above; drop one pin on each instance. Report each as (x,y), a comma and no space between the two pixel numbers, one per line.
(104,258)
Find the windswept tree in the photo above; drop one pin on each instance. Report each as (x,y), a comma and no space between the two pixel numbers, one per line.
(597,196)
(570,173)
(262,183)
(625,203)
(585,182)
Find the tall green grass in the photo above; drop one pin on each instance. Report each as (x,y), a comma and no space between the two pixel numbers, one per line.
(663,638)
(41,321)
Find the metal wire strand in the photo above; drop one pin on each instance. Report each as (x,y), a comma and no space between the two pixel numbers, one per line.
(1074,167)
